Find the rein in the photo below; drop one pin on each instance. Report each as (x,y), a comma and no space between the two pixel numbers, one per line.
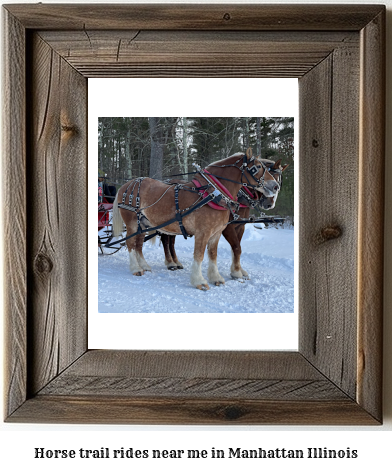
(219,193)
(207,199)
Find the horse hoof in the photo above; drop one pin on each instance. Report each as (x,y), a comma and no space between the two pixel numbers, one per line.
(172,268)
(203,287)
(139,274)
(219,283)
(180,267)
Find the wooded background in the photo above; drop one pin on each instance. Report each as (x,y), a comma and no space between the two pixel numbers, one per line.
(160,147)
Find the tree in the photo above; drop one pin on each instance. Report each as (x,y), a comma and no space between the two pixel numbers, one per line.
(163,146)
(157,143)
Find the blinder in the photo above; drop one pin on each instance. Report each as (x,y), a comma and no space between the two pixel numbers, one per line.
(266,187)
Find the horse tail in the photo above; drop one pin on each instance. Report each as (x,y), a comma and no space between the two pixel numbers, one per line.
(117,221)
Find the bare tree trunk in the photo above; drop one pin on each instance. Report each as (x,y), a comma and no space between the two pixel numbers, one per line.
(128,152)
(246,132)
(185,142)
(258,136)
(157,142)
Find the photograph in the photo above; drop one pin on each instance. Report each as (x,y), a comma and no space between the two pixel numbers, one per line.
(178,199)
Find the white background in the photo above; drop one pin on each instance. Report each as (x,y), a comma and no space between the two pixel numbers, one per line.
(17,442)
(189,98)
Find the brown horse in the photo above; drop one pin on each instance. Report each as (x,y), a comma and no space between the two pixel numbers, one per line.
(232,233)
(150,203)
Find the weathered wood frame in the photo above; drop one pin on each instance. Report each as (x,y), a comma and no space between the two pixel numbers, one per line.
(337,52)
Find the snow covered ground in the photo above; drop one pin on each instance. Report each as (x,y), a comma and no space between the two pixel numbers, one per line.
(267,255)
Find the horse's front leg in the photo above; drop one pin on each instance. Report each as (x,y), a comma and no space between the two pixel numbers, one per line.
(213,273)
(197,279)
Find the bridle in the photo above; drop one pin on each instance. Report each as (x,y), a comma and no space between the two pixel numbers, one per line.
(268,187)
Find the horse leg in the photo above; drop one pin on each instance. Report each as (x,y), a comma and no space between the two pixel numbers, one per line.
(172,239)
(240,232)
(197,279)
(213,273)
(139,254)
(231,235)
(166,241)
(134,266)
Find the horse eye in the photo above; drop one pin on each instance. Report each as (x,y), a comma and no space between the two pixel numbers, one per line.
(275,188)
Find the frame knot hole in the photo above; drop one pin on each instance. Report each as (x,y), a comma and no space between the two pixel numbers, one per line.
(43,264)
(233,413)
(315,143)
(227,17)
(328,233)
(69,129)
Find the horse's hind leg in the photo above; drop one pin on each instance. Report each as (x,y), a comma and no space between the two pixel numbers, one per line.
(134,265)
(233,236)
(166,242)
(197,279)
(213,273)
(172,239)
(139,254)
(240,232)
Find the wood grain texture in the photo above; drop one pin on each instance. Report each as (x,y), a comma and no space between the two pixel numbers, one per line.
(335,378)
(193,53)
(208,364)
(371,216)
(57,225)
(206,374)
(194,17)
(193,387)
(106,410)
(14,213)
(329,98)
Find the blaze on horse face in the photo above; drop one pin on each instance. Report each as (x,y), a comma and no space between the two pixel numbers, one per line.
(272,181)
(267,203)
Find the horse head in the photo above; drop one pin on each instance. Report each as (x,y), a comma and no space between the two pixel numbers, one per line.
(266,173)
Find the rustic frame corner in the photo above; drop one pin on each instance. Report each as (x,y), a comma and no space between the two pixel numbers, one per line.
(338,54)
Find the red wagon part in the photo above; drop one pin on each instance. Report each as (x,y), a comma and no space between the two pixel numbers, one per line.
(104,214)
(105,228)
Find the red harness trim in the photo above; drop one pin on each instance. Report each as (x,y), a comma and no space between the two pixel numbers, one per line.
(221,187)
(205,194)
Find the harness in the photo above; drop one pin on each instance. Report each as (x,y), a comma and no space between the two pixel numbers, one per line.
(213,199)
(178,217)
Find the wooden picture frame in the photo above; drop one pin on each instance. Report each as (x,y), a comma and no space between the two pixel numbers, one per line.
(337,52)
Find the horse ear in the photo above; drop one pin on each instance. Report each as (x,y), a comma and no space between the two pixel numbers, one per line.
(277,164)
(284,167)
(249,153)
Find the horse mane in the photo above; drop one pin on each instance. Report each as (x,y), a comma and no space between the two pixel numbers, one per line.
(266,161)
(236,155)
